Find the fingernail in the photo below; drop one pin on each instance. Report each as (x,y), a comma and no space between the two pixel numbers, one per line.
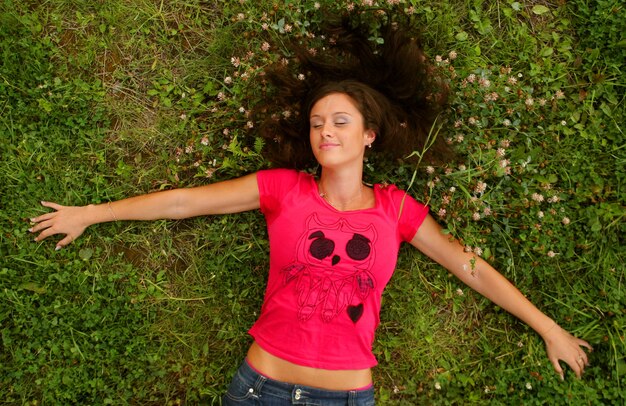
(35,239)
(32,220)
(30,230)
(58,247)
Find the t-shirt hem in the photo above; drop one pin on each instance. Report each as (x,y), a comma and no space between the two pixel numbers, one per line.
(335,366)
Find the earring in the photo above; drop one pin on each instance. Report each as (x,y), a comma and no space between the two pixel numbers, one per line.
(369,145)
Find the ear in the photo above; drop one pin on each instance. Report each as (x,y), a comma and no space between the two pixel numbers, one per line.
(370,136)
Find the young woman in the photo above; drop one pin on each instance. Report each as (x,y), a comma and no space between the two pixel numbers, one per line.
(333,240)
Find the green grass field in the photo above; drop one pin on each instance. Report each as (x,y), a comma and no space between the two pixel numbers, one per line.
(101,100)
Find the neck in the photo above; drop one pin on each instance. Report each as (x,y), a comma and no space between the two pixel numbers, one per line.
(343,190)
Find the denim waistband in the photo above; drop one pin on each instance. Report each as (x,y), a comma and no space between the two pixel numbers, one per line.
(301,394)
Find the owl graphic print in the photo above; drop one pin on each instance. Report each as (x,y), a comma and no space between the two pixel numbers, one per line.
(331,274)
(327,270)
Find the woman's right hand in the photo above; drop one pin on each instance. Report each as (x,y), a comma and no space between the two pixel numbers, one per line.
(67,220)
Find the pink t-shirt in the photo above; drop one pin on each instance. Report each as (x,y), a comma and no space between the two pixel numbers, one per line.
(328,269)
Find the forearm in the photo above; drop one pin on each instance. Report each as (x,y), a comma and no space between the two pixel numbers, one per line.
(152,206)
(490,283)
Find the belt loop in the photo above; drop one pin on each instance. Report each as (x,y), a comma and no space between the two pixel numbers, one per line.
(352,398)
(258,384)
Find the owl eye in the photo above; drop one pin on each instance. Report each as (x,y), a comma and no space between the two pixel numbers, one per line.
(322,247)
(358,248)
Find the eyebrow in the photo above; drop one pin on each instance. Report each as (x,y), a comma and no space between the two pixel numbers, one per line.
(334,114)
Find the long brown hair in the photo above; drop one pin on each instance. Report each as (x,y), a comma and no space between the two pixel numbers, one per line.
(394,87)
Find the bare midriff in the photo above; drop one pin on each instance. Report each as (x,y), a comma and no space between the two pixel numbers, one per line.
(285,371)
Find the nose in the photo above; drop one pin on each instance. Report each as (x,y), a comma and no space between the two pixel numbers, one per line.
(326,130)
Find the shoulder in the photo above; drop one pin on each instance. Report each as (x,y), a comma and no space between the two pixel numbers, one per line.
(393,195)
(408,212)
(282,174)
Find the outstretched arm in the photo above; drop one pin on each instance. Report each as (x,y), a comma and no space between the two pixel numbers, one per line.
(231,196)
(484,279)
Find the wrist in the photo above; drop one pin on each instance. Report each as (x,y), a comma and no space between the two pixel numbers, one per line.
(545,332)
(95,214)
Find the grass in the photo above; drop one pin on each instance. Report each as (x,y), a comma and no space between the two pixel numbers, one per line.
(103,100)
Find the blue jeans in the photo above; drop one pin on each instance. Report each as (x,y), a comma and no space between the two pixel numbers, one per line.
(250,388)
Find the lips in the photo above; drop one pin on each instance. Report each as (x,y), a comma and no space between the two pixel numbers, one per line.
(328,145)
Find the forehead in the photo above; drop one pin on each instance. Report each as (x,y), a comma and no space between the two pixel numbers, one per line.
(333,103)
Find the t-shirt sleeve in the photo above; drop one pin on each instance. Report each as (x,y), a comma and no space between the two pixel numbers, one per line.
(411,215)
(273,185)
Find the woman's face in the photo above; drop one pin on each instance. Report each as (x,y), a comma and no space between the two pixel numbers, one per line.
(337,132)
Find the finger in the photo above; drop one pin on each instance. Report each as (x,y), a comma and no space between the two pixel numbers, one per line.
(43,217)
(51,205)
(577,368)
(557,367)
(40,226)
(46,233)
(585,358)
(585,344)
(65,241)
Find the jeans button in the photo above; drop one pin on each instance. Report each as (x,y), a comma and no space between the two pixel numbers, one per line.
(298,393)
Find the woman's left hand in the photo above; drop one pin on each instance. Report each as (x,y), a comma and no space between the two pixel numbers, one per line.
(561,345)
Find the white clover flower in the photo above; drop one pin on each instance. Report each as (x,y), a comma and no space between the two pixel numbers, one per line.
(480,188)
(430,170)
(437,386)
(565,220)
(529,386)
